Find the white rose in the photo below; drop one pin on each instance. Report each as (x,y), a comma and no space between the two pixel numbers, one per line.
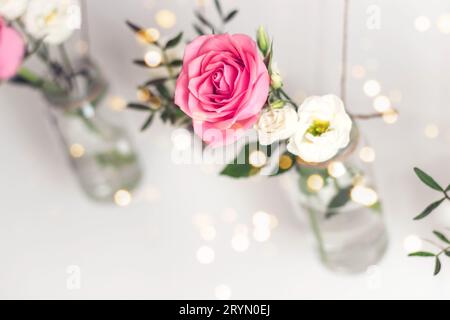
(52,20)
(276,124)
(324,128)
(12,9)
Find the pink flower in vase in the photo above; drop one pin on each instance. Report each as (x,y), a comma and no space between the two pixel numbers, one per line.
(223,86)
(12,50)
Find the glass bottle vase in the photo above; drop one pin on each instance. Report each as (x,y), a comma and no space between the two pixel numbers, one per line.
(343,208)
(102,155)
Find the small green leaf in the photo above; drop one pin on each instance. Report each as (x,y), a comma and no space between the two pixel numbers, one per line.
(163,91)
(230,16)
(341,198)
(176,63)
(156,81)
(429,181)
(219,8)
(140,63)
(174,41)
(204,21)
(148,122)
(447,253)
(437,267)
(448,188)
(422,254)
(138,106)
(429,209)
(236,169)
(441,237)
(133,26)
(198,29)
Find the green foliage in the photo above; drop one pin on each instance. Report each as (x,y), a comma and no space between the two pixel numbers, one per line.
(236,169)
(204,22)
(172,43)
(429,181)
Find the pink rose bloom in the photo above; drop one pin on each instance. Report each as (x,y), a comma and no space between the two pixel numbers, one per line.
(12,50)
(223,86)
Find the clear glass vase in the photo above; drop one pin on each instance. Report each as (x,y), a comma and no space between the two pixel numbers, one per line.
(102,154)
(344,209)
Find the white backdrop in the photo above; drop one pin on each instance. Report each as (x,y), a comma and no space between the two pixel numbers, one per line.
(148,249)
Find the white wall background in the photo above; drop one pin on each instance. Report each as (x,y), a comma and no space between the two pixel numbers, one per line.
(148,250)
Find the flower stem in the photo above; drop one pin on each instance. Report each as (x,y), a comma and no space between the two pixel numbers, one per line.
(318,235)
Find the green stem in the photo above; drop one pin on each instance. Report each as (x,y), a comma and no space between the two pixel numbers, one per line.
(318,235)
(289,98)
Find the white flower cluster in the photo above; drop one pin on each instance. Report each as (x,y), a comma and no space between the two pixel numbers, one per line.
(53,21)
(316,132)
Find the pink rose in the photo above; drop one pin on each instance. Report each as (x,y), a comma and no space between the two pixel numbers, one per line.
(223,86)
(12,50)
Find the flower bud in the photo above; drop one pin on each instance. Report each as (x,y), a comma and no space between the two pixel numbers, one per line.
(276,81)
(263,40)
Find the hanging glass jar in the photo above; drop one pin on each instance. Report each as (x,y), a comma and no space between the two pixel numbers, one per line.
(101,154)
(344,208)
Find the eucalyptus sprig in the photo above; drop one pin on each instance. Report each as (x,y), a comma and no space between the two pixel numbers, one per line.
(203,22)
(156,94)
(430,182)
(443,249)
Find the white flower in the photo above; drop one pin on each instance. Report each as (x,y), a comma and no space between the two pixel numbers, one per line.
(12,9)
(276,124)
(324,128)
(52,20)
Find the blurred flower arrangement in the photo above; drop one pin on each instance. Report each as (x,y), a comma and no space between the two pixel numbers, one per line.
(229,85)
(101,154)
(444,249)
(32,28)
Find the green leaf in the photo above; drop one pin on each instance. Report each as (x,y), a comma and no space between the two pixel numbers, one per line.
(422,254)
(429,209)
(176,63)
(437,267)
(163,91)
(219,8)
(148,122)
(140,63)
(448,188)
(156,81)
(138,106)
(204,21)
(198,29)
(447,253)
(340,200)
(429,181)
(441,237)
(238,170)
(174,41)
(133,26)
(230,16)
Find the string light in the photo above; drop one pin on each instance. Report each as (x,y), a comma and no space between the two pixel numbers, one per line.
(364,195)
(148,36)
(367,154)
(443,23)
(166,19)
(390,116)
(222,292)
(315,182)
(261,219)
(122,198)
(285,162)
(257,159)
(432,131)
(205,255)
(77,150)
(117,103)
(372,88)
(382,104)
(240,242)
(208,233)
(336,169)
(422,23)
(412,243)
(153,58)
